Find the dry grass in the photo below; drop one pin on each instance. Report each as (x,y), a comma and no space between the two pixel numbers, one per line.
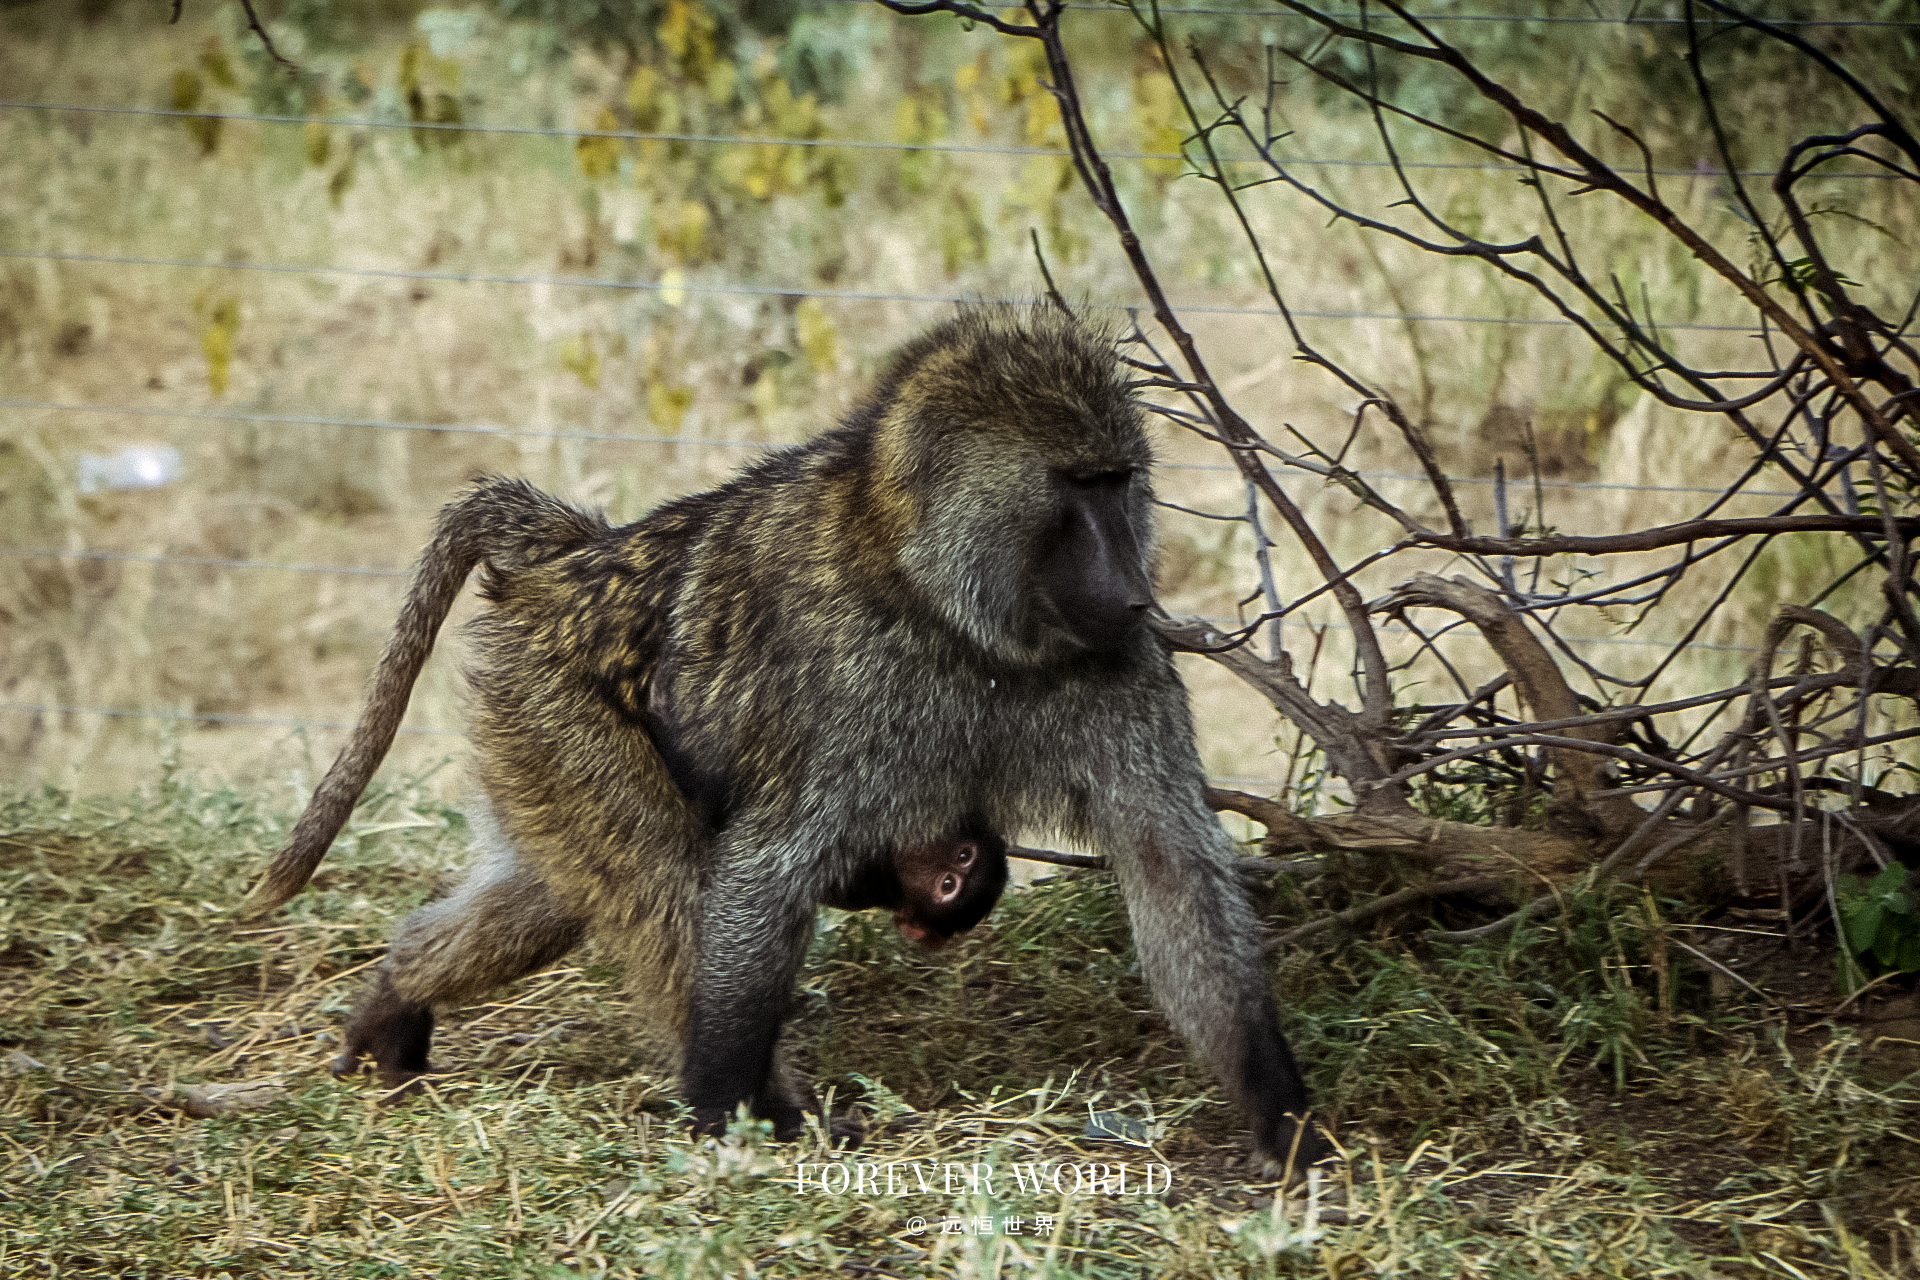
(1486,1141)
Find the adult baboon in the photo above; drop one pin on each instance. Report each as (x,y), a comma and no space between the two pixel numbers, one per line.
(691,730)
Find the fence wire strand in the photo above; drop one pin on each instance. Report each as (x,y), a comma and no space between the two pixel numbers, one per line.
(532,433)
(775,291)
(826,144)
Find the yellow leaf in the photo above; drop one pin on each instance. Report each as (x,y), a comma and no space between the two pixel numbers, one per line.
(214,59)
(720,80)
(759,178)
(793,117)
(187,91)
(906,120)
(764,170)
(970,82)
(818,337)
(1168,139)
(1042,181)
(342,180)
(673,287)
(687,32)
(667,405)
(222,316)
(643,98)
(963,233)
(1043,121)
(1025,65)
(1158,116)
(578,357)
(599,157)
(916,121)
(683,236)
(317,142)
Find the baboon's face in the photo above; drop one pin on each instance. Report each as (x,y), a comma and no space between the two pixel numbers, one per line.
(1027,461)
(1037,554)
(1089,566)
(948,886)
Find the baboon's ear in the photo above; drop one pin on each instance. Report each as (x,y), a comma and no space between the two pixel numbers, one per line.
(1090,567)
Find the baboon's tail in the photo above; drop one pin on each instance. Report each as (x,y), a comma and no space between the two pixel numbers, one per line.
(507,522)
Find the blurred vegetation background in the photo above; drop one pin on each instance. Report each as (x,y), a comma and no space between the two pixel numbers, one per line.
(619,245)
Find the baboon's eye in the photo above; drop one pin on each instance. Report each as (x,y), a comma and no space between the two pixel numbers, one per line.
(949,885)
(965,856)
(1111,479)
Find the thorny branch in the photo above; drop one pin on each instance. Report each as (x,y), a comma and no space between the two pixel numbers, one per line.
(1828,407)
(253,24)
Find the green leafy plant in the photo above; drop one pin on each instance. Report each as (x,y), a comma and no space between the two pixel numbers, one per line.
(1879,924)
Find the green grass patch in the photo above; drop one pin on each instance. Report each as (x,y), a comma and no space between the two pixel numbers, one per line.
(1571,1101)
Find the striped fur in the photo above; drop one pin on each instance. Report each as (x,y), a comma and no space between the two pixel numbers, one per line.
(693,729)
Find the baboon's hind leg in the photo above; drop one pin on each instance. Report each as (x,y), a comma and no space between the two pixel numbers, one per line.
(392,1031)
(501,924)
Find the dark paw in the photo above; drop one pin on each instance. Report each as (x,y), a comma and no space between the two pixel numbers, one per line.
(847,1129)
(1295,1148)
(711,1122)
(395,1033)
(788,1122)
(401,1084)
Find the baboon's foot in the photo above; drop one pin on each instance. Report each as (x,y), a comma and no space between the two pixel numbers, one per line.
(789,1122)
(396,1033)
(711,1122)
(1298,1145)
(847,1129)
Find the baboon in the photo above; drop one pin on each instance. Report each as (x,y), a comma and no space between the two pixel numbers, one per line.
(691,730)
(937,889)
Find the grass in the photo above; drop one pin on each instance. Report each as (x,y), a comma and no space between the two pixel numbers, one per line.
(1544,1106)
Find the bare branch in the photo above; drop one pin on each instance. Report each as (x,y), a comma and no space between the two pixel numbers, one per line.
(1544,691)
(966,11)
(1670,535)
(1385,903)
(1085,861)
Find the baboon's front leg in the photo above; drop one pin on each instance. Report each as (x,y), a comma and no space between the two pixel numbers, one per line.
(1200,949)
(753,936)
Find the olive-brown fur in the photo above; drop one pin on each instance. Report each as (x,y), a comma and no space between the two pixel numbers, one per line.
(691,730)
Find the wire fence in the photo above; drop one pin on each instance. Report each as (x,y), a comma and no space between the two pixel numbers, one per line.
(531,433)
(771,290)
(1630,19)
(826,144)
(733,288)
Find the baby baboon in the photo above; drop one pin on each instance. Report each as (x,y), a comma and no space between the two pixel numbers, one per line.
(937,889)
(691,730)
